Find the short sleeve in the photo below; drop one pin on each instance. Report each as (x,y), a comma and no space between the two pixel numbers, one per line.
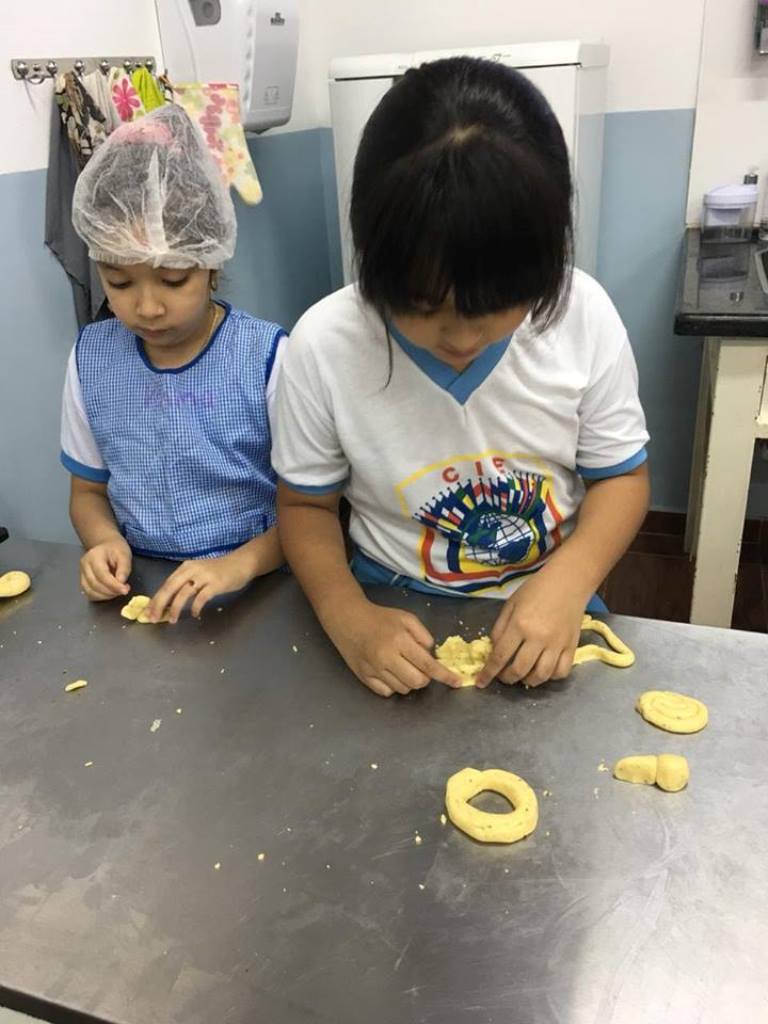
(79,452)
(306,452)
(612,431)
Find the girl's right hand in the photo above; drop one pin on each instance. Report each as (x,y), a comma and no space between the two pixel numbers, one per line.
(104,568)
(388,649)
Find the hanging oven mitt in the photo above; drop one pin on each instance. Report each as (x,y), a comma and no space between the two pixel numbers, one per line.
(146,85)
(215,108)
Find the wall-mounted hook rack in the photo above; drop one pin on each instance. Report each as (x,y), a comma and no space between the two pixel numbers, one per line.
(38,69)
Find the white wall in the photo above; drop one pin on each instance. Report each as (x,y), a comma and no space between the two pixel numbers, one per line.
(56,28)
(732,108)
(654,46)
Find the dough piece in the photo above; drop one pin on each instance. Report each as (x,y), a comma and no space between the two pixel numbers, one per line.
(464,658)
(14,583)
(78,684)
(485,827)
(617,653)
(672,772)
(668,771)
(135,607)
(673,712)
(135,610)
(638,768)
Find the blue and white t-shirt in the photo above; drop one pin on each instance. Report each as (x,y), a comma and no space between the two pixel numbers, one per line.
(185,452)
(465,481)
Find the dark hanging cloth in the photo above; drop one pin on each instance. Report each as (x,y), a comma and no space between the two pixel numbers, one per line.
(60,236)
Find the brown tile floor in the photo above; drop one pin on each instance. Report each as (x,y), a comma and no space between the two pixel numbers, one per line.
(654,579)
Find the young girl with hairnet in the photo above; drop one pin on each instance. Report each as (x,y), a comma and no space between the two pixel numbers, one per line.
(164,421)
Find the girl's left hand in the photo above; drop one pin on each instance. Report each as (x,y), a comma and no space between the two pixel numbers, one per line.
(198,582)
(537,632)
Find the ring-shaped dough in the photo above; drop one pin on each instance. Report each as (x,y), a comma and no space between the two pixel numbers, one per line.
(671,711)
(485,827)
(14,583)
(617,653)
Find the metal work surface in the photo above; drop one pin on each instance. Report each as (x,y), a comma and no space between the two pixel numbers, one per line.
(131,890)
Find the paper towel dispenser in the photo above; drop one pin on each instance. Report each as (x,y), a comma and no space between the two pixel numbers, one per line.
(251,42)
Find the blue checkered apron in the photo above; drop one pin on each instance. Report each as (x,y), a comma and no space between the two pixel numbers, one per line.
(187,450)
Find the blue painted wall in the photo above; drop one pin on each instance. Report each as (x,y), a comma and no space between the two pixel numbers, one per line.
(289,256)
(645,187)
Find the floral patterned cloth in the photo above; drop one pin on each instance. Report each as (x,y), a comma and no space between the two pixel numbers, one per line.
(215,108)
(125,99)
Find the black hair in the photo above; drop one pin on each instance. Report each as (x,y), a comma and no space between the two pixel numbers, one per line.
(462,186)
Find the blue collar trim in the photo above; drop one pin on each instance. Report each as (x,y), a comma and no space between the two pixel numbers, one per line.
(180,369)
(460,384)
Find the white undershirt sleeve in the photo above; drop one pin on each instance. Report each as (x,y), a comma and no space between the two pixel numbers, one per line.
(79,452)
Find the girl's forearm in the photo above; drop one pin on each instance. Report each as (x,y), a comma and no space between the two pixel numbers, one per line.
(314,546)
(260,555)
(609,518)
(92,517)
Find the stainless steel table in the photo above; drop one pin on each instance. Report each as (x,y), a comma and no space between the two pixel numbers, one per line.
(132,891)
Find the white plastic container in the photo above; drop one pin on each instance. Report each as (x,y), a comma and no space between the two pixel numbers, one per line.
(728,213)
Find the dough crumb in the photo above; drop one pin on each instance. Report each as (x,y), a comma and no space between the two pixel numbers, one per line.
(294,648)
(443,820)
(465,658)
(261,856)
(211,643)
(217,866)
(422,887)
(603,767)
(178,711)
(222,671)
(88,764)
(156,725)
(546,834)
(546,792)
(417,839)
(596,791)
(78,684)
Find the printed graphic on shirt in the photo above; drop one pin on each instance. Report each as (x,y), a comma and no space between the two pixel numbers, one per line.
(485,522)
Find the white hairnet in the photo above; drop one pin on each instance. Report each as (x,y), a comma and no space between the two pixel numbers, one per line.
(152,193)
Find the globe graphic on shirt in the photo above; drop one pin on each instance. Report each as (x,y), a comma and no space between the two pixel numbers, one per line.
(493,539)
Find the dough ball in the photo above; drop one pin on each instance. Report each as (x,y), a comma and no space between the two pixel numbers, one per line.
(672,772)
(14,583)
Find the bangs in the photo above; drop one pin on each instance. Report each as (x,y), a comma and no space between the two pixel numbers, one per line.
(462,188)
(472,217)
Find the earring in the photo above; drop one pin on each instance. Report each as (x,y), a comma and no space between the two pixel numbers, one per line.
(214,280)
